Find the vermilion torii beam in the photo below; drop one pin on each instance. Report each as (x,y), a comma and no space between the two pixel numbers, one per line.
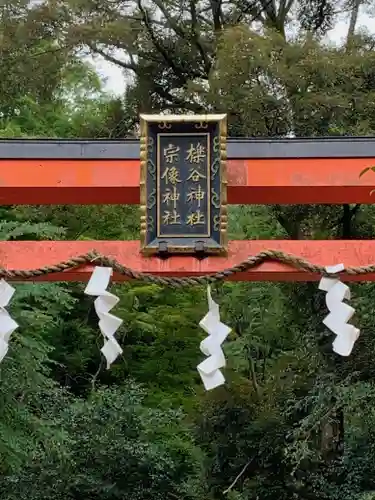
(260,171)
(36,254)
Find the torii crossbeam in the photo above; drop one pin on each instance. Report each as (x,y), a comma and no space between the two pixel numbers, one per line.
(260,171)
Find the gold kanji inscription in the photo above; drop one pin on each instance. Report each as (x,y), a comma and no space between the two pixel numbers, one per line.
(171,195)
(171,153)
(195,175)
(196,194)
(171,176)
(195,218)
(171,217)
(196,153)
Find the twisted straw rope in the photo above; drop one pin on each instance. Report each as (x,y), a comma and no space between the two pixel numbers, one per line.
(251,262)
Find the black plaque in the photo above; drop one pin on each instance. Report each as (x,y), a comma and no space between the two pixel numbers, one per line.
(183,184)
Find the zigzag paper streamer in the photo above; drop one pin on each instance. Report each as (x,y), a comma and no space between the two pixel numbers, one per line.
(209,369)
(7,324)
(339,312)
(108,323)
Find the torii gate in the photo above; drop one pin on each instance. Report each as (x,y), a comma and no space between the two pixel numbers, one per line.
(259,171)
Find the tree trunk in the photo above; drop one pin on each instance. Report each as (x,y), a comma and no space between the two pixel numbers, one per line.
(353,21)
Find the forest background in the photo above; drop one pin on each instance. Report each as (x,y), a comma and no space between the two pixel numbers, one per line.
(293,421)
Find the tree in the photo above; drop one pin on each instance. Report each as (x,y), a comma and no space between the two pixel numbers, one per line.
(116,448)
(167,46)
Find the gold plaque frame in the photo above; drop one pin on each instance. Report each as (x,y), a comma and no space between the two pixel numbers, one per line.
(198,123)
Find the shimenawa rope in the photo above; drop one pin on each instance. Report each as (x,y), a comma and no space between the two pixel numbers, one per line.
(251,262)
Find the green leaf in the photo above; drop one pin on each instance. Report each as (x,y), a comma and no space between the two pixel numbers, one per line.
(367,169)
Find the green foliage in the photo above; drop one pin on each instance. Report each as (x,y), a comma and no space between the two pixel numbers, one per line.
(300,87)
(116,447)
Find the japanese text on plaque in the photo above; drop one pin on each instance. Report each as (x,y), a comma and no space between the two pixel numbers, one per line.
(184,186)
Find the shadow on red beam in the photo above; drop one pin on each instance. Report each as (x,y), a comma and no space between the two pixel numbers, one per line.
(36,254)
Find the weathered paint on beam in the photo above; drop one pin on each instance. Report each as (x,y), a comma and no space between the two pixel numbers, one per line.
(35,254)
(250,181)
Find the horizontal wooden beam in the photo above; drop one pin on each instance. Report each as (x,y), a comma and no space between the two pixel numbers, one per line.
(36,254)
(237,148)
(250,181)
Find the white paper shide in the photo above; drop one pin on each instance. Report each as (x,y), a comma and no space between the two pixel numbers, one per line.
(340,313)
(209,369)
(108,323)
(7,324)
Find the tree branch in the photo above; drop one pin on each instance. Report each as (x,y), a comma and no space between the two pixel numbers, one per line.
(254,377)
(238,477)
(184,35)
(347,219)
(196,38)
(269,8)
(96,375)
(291,227)
(353,22)
(284,9)
(347,213)
(256,13)
(112,59)
(175,101)
(176,28)
(159,47)
(217,15)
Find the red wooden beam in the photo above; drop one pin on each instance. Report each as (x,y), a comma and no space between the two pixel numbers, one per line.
(250,181)
(36,254)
